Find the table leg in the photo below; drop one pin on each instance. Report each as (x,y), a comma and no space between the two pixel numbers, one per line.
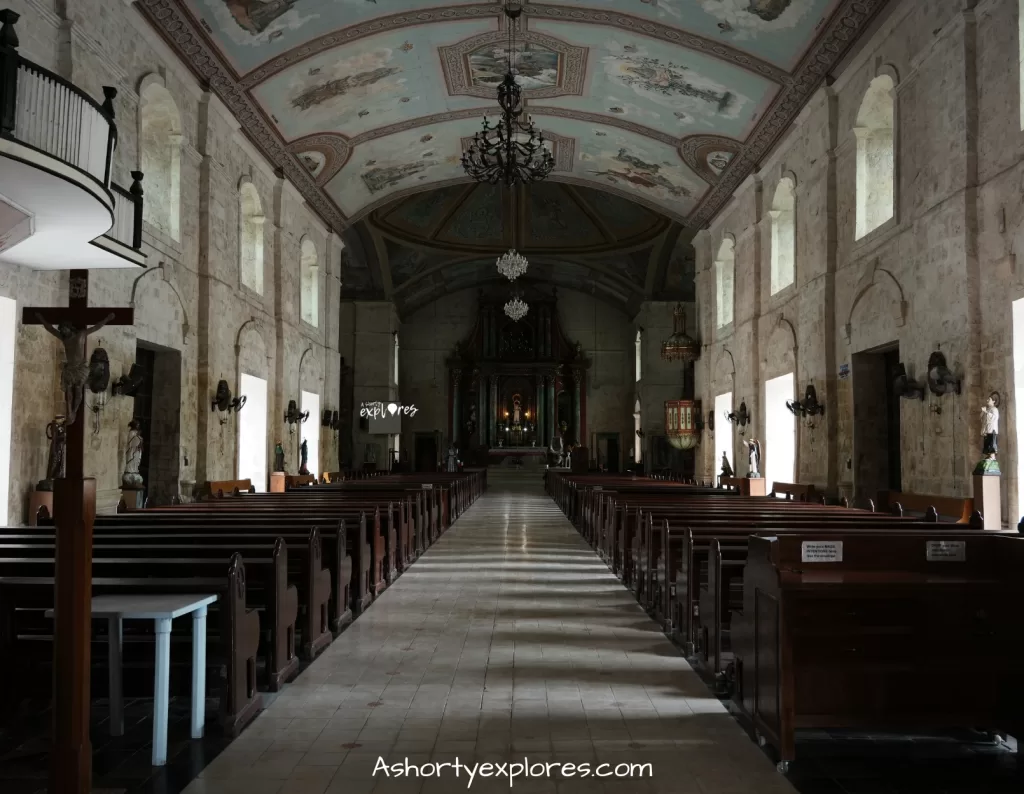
(198,672)
(161,690)
(116,694)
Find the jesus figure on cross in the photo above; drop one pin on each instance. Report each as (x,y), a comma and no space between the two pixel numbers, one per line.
(75,370)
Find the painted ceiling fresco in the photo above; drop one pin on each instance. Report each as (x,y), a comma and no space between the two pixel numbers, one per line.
(666,103)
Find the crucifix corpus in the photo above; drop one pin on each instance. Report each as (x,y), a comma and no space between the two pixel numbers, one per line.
(74,511)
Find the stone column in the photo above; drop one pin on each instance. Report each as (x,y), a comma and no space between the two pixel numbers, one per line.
(456,377)
(552,413)
(577,377)
(538,414)
(481,388)
(493,409)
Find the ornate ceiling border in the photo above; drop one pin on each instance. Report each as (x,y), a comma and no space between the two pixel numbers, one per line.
(186,37)
(846,24)
(695,149)
(335,148)
(455,66)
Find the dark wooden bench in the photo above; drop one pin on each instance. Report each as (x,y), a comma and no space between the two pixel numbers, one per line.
(947,508)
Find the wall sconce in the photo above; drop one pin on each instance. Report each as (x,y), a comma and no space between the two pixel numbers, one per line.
(739,418)
(223,402)
(98,383)
(711,421)
(325,418)
(293,416)
(129,385)
(335,421)
(640,434)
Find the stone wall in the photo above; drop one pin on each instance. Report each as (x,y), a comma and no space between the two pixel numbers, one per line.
(941,275)
(189,299)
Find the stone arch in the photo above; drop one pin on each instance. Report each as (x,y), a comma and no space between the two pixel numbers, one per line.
(309,269)
(781,349)
(878,290)
(310,373)
(250,236)
(251,351)
(160,139)
(876,155)
(725,279)
(146,316)
(723,373)
(783,224)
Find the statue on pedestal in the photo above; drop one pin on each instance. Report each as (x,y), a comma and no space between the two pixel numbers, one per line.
(279,457)
(56,432)
(452,458)
(132,457)
(303,457)
(989,436)
(753,458)
(727,467)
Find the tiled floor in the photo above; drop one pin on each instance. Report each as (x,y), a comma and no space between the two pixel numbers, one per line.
(508,640)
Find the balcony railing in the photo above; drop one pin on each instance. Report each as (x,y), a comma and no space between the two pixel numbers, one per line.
(127,228)
(42,110)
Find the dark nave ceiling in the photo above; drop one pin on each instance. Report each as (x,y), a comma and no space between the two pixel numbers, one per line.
(667,103)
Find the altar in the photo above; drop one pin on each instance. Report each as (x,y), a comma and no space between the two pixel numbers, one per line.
(516,387)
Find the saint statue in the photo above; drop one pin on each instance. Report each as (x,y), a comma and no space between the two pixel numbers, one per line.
(989,437)
(452,458)
(303,457)
(515,413)
(132,457)
(279,457)
(726,466)
(56,432)
(753,458)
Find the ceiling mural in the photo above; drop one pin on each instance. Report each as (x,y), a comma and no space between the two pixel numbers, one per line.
(660,109)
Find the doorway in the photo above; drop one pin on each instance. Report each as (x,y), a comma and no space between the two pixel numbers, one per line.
(877,463)
(780,431)
(425,451)
(158,412)
(252,432)
(608,451)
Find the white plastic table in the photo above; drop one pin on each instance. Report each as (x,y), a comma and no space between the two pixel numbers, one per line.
(161,609)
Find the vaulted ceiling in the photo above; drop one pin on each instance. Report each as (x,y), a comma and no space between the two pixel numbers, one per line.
(667,103)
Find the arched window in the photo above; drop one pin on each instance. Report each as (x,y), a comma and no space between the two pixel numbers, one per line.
(250,237)
(639,353)
(783,215)
(725,266)
(637,425)
(875,156)
(160,157)
(310,270)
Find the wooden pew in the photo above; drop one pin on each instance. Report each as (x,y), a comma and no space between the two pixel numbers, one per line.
(795,491)
(949,508)
(26,587)
(906,631)
(218,488)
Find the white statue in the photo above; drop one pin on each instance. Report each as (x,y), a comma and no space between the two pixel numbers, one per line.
(452,458)
(515,413)
(753,458)
(132,457)
(990,429)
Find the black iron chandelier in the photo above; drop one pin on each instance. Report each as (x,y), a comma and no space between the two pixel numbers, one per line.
(511,151)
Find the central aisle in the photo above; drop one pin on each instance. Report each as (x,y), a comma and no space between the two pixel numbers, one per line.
(508,639)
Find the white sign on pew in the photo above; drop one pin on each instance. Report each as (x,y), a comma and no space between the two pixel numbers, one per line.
(946,551)
(427,486)
(821,551)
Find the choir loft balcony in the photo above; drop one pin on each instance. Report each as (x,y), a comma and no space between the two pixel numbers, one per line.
(59,209)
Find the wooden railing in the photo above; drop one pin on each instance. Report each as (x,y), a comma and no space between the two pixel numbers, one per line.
(127,228)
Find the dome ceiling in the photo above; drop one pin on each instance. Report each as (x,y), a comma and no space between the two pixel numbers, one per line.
(667,103)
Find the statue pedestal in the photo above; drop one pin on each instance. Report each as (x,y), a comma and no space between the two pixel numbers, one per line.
(134,498)
(277,481)
(37,499)
(753,486)
(987,500)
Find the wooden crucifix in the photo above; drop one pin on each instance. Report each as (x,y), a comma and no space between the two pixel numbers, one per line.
(74,512)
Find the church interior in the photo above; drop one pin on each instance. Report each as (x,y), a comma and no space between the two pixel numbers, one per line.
(569,396)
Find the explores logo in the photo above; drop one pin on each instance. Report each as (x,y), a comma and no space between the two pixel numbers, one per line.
(378,410)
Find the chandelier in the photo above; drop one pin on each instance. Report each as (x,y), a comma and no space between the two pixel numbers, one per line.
(516,308)
(680,346)
(512,265)
(512,150)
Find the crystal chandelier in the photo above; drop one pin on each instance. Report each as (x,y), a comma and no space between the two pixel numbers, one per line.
(512,150)
(512,265)
(516,308)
